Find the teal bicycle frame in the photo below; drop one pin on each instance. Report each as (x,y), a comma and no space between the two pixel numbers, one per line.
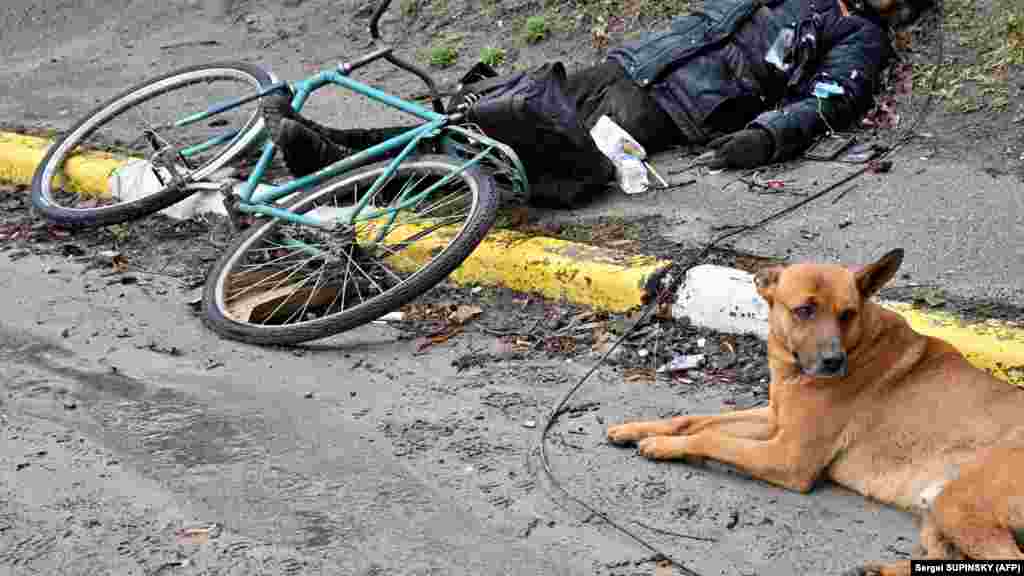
(252,201)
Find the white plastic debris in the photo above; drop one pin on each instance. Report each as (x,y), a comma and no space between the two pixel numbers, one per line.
(683,362)
(625,153)
(138,179)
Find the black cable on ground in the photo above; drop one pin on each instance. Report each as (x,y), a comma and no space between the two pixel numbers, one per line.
(676,274)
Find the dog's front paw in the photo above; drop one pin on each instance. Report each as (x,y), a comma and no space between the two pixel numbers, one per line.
(661,447)
(625,434)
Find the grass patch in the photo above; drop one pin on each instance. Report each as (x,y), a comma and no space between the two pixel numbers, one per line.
(493,56)
(439,8)
(444,52)
(987,47)
(409,8)
(536,29)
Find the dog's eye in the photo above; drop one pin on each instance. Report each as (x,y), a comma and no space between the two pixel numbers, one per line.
(846,315)
(805,312)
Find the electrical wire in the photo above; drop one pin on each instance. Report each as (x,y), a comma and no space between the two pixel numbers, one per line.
(677,273)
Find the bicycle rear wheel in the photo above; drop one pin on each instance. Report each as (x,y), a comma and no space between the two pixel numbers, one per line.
(285,283)
(149,118)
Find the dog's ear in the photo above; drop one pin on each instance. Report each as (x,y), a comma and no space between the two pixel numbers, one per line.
(765,280)
(872,277)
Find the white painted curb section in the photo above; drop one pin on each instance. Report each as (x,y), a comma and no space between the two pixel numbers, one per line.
(722,299)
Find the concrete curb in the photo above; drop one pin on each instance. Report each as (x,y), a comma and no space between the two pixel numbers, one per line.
(578,273)
(715,297)
(87,173)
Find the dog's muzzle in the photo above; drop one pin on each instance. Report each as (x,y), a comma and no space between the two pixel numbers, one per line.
(831,361)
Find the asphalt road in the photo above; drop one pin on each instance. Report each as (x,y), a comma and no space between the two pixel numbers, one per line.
(124,421)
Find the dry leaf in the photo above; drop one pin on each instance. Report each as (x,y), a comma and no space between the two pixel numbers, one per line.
(638,375)
(903,40)
(464,313)
(437,338)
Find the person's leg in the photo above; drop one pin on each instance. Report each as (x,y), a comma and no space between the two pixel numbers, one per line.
(308,146)
(605,89)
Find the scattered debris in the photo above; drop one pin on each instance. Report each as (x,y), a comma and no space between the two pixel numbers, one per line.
(199,534)
(880,166)
(638,375)
(530,526)
(530,424)
(683,362)
(663,568)
(734,519)
(190,43)
(72,250)
(113,259)
(154,347)
(464,313)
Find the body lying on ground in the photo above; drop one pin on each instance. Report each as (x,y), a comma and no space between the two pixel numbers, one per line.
(756,80)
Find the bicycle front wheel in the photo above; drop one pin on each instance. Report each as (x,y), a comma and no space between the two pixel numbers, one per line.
(283,282)
(161,122)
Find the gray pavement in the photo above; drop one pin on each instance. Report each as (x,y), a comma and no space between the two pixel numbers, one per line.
(124,420)
(962,228)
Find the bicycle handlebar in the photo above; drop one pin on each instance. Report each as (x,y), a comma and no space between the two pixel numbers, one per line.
(375,19)
(422,74)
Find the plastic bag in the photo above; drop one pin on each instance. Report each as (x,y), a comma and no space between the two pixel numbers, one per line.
(625,153)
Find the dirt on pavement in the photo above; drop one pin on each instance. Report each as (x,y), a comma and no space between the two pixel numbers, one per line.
(137,442)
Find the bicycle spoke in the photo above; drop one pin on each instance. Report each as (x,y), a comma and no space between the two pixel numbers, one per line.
(285,300)
(313,292)
(364,265)
(294,268)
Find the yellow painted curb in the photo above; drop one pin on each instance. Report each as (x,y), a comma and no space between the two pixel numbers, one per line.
(87,173)
(991,345)
(557,269)
(581,274)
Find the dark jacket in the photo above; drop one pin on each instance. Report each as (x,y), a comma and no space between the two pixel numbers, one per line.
(711,72)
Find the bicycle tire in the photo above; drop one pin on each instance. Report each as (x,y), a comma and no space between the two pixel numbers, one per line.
(64,147)
(476,226)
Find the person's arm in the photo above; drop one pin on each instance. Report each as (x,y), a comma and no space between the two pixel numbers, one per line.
(854,62)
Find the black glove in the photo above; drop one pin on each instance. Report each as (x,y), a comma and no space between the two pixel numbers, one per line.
(744,149)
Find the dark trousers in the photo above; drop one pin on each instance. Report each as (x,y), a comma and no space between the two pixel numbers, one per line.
(598,90)
(605,89)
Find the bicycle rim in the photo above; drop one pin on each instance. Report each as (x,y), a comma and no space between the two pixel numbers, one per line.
(137,124)
(285,283)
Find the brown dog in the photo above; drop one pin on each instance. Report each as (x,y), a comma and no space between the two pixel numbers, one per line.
(858,396)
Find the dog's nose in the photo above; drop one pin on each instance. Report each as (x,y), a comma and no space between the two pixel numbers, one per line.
(833,364)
